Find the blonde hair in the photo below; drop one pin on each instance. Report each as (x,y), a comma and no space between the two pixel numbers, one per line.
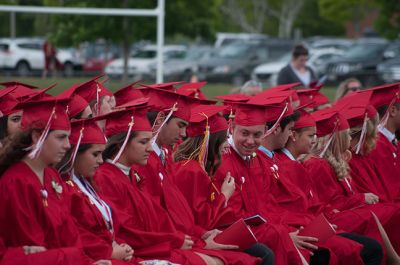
(335,151)
(370,136)
(343,87)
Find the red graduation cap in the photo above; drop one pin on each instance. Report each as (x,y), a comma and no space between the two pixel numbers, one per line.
(165,100)
(356,107)
(231,100)
(357,110)
(7,102)
(305,120)
(250,114)
(120,120)
(329,121)
(77,104)
(165,86)
(92,90)
(127,93)
(39,94)
(206,115)
(384,95)
(277,103)
(192,90)
(86,131)
(45,114)
(284,87)
(40,113)
(14,83)
(131,119)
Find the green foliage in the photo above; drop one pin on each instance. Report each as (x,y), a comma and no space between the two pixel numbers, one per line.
(388,22)
(312,23)
(341,11)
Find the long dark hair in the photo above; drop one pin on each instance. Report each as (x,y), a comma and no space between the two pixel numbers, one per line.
(189,149)
(114,143)
(64,166)
(3,127)
(14,149)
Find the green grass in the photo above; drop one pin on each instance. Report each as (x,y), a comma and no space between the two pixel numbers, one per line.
(210,90)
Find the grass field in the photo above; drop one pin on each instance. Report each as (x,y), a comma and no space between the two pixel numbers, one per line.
(210,90)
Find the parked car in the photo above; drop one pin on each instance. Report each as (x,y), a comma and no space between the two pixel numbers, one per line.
(235,62)
(183,68)
(326,43)
(225,38)
(139,63)
(24,56)
(389,71)
(268,73)
(359,61)
(97,55)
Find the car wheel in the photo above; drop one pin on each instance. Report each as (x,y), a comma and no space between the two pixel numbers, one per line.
(23,69)
(68,69)
(238,79)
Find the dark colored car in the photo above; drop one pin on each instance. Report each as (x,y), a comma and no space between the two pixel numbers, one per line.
(235,62)
(389,70)
(359,61)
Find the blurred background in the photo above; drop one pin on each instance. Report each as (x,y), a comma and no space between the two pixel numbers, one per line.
(223,42)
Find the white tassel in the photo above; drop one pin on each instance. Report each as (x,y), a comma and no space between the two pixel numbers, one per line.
(154,138)
(71,160)
(273,128)
(36,148)
(327,145)
(362,136)
(125,141)
(383,122)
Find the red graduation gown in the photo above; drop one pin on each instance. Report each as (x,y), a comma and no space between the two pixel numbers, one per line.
(355,214)
(285,194)
(247,201)
(97,240)
(143,224)
(386,158)
(170,197)
(25,219)
(59,256)
(366,178)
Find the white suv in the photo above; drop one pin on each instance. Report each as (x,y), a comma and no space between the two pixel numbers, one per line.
(140,63)
(25,56)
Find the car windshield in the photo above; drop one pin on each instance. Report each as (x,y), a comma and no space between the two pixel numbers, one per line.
(145,54)
(196,54)
(233,52)
(364,50)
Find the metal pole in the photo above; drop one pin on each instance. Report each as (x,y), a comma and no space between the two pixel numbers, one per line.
(160,40)
(12,25)
(80,11)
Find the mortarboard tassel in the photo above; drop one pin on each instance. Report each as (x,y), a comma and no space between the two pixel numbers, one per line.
(385,117)
(203,152)
(328,143)
(360,143)
(125,141)
(36,148)
(157,130)
(71,160)
(273,128)
(98,90)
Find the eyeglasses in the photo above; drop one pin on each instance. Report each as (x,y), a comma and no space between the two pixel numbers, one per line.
(354,88)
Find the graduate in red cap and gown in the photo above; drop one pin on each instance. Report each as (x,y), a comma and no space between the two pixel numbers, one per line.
(329,171)
(143,224)
(92,215)
(33,205)
(242,160)
(363,121)
(386,156)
